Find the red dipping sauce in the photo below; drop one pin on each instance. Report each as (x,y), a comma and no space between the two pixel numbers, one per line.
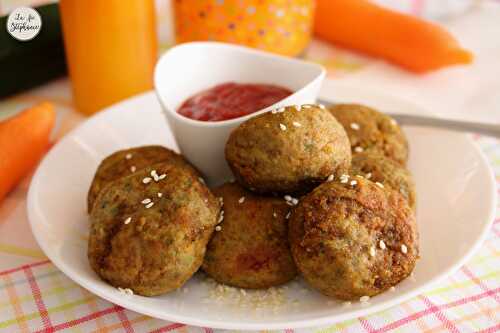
(231,100)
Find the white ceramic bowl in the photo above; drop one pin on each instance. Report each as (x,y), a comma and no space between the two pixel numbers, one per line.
(189,68)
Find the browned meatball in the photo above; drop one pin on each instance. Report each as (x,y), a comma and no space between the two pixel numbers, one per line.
(288,150)
(151,237)
(353,238)
(386,171)
(251,248)
(372,131)
(125,162)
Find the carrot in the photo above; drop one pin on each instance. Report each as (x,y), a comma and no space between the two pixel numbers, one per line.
(23,141)
(410,42)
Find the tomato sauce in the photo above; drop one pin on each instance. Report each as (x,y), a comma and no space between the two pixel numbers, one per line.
(231,100)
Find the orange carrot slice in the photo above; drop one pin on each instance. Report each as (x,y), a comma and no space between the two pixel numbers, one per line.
(23,141)
(410,42)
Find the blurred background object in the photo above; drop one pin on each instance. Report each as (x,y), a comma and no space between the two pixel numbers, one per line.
(279,26)
(111,49)
(24,65)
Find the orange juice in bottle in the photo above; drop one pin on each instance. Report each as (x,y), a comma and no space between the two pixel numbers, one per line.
(111,49)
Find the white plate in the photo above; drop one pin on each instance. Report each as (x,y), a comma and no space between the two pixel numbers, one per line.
(456,199)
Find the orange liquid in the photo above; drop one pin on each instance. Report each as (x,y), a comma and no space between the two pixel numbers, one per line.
(111,49)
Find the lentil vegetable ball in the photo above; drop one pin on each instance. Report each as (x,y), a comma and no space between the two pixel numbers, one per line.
(372,131)
(289,150)
(384,170)
(151,238)
(125,162)
(251,248)
(353,238)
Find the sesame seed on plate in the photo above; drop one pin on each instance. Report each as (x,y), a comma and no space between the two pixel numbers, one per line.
(358,149)
(133,168)
(404,249)
(146,180)
(355,126)
(364,299)
(353,182)
(146,201)
(127,220)
(379,184)
(241,200)
(218,228)
(372,251)
(149,205)
(330,178)
(381,244)
(282,127)
(128,156)
(160,194)
(297,107)
(296,124)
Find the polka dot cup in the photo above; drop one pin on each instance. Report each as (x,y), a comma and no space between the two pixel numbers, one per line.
(279,26)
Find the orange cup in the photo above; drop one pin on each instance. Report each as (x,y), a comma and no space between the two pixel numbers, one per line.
(279,26)
(111,49)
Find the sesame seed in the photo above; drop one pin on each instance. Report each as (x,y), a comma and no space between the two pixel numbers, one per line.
(306,106)
(353,182)
(346,304)
(330,178)
(162,176)
(274,111)
(364,299)
(128,156)
(379,184)
(404,249)
(297,107)
(296,124)
(128,291)
(355,126)
(133,168)
(154,174)
(146,201)
(368,175)
(201,180)
(295,201)
(287,197)
(146,180)
(281,109)
(392,289)
(283,127)
(321,106)
(221,217)
(242,200)
(288,215)
(372,251)
(127,220)
(160,194)
(381,244)
(218,228)
(358,149)
(275,215)
(394,122)
(149,205)
(344,179)
(221,200)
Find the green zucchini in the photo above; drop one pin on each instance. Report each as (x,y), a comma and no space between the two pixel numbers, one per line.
(25,65)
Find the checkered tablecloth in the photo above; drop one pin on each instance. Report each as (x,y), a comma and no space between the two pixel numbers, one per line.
(36,297)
